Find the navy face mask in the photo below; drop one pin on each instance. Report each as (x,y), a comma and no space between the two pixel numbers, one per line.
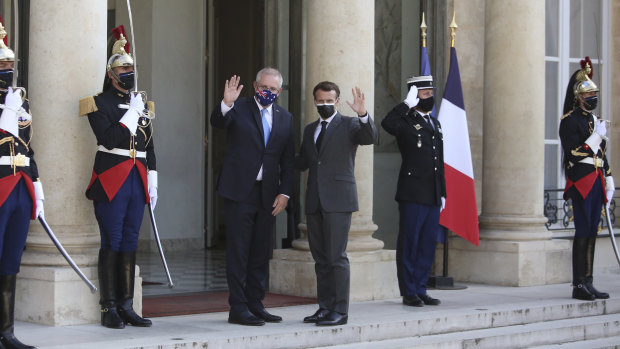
(426,104)
(591,102)
(6,78)
(126,80)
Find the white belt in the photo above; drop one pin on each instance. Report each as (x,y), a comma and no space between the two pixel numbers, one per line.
(123,152)
(19,160)
(590,161)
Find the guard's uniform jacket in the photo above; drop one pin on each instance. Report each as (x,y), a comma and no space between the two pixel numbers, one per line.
(17,151)
(421,179)
(581,163)
(118,150)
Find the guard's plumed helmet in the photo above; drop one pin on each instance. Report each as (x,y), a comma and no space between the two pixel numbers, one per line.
(6,54)
(580,82)
(120,57)
(421,82)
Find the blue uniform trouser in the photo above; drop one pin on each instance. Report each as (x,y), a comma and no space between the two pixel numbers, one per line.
(415,247)
(587,212)
(14,222)
(120,220)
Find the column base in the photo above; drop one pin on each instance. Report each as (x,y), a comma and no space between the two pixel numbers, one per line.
(373,274)
(509,263)
(56,296)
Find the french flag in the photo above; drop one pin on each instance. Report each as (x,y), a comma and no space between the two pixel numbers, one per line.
(461,212)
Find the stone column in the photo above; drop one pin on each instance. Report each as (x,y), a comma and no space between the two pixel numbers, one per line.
(67,58)
(340,48)
(515,247)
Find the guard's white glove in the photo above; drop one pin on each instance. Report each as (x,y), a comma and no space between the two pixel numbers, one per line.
(38,194)
(443,203)
(599,134)
(131,116)
(412,97)
(601,128)
(8,118)
(609,187)
(152,184)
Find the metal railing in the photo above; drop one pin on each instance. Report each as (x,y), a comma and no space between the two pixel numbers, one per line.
(559,212)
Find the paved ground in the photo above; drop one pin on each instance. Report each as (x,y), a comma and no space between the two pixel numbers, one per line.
(214,327)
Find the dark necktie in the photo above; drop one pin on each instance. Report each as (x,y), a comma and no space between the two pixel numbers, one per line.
(427,117)
(319,139)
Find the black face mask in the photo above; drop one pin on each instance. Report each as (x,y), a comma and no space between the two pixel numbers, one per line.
(590,103)
(126,81)
(426,104)
(325,110)
(6,78)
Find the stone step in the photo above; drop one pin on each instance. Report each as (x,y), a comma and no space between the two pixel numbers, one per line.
(577,331)
(377,323)
(601,343)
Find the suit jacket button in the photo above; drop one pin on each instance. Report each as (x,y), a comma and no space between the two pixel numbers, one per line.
(435,168)
(408,173)
(433,147)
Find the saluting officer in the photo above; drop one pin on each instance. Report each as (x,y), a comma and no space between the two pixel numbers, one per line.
(21,199)
(589,183)
(421,188)
(124,180)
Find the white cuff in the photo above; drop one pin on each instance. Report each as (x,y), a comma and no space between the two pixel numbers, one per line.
(152,179)
(609,183)
(38,190)
(364,119)
(225,108)
(594,142)
(130,119)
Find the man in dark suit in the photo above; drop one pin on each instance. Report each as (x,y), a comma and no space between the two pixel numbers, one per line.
(256,182)
(328,150)
(421,188)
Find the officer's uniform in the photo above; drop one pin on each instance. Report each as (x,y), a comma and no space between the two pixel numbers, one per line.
(120,185)
(421,185)
(587,175)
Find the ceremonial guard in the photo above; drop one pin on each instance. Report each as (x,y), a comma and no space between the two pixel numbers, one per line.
(21,193)
(124,179)
(589,183)
(421,188)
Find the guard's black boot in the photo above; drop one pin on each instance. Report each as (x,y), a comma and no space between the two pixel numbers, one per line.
(127,273)
(7,308)
(107,289)
(580,289)
(589,269)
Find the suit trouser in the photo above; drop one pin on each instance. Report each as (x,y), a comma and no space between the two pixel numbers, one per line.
(249,228)
(14,222)
(415,247)
(328,234)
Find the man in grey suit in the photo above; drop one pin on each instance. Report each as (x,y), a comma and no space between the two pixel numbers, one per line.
(328,150)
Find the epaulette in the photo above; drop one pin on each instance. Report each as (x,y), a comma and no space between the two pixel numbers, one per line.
(87,106)
(150,105)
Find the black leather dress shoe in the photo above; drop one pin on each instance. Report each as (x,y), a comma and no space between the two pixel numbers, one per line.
(263,314)
(245,318)
(428,300)
(333,318)
(413,301)
(318,315)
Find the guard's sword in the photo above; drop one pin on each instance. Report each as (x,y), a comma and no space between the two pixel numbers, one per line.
(16,51)
(611,232)
(161,250)
(64,253)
